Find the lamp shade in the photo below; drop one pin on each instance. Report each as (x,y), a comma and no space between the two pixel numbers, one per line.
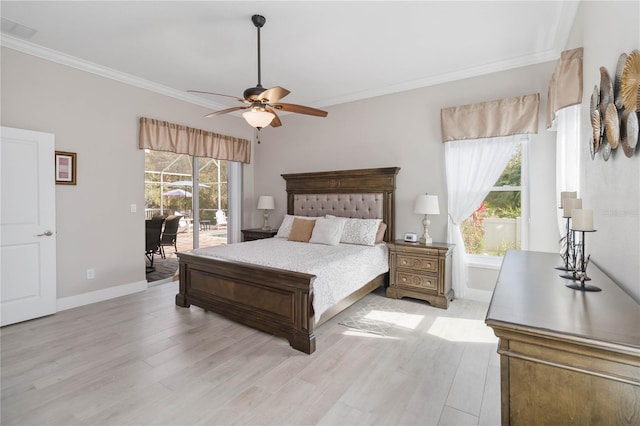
(258,117)
(426,204)
(265,202)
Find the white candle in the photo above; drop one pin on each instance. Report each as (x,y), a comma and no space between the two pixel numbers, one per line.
(582,220)
(567,194)
(570,204)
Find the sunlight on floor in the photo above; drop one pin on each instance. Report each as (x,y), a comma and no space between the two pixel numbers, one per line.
(356,333)
(399,319)
(462,330)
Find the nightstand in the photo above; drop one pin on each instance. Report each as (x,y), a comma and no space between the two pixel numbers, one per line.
(421,272)
(257,234)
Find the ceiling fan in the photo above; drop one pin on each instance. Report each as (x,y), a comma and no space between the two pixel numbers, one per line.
(261,104)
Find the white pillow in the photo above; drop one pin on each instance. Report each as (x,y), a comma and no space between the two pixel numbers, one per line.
(327,231)
(287,222)
(359,231)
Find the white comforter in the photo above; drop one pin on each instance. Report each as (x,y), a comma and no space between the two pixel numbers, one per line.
(340,270)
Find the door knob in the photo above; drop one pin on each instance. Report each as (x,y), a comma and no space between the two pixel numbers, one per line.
(46,234)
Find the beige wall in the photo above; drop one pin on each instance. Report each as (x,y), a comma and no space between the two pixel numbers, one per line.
(98,118)
(611,188)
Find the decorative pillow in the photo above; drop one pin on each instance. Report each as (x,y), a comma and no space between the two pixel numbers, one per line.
(327,231)
(359,231)
(301,230)
(380,234)
(285,227)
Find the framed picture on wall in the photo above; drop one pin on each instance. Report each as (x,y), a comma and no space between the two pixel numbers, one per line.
(66,166)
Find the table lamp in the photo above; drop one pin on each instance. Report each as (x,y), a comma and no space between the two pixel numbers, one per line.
(426,204)
(266,203)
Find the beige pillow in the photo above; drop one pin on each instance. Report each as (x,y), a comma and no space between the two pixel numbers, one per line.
(285,227)
(380,234)
(301,230)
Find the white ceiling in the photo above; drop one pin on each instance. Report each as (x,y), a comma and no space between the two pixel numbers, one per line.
(324,52)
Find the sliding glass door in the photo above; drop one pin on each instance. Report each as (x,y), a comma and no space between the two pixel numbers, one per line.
(194,188)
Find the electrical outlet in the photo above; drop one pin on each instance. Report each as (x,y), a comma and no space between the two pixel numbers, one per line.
(91,273)
(134,208)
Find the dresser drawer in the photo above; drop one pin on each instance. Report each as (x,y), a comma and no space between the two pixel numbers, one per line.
(421,281)
(426,264)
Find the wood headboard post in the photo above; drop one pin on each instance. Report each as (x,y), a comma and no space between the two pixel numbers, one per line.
(381,180)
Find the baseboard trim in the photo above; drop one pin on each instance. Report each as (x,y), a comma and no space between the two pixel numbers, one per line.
(478,295)
(78,300)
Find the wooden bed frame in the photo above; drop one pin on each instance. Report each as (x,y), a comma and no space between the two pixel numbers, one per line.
(274,300)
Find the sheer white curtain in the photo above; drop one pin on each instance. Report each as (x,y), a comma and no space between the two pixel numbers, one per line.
(567,125)
(472,167)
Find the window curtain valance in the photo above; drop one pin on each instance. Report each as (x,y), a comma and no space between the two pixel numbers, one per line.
(164,136)
(504,117)
(565,88)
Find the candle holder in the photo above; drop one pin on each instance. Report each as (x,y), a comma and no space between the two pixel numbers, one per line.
(579,275)
(569,255)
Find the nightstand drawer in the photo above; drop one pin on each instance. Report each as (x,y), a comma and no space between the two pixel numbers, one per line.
(425,264)
(417,280)
(257,234)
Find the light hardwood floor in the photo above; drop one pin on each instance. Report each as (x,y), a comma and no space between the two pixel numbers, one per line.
(141,360)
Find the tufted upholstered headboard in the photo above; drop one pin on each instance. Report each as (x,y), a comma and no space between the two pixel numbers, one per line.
(361,206)
(363,194)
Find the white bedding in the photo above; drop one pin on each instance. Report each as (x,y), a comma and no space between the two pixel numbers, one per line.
(340,270)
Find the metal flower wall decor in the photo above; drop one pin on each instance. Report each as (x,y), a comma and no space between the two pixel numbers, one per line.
(615,109)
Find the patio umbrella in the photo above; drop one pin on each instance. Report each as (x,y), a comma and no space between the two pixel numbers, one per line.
(179,193)
(186,183)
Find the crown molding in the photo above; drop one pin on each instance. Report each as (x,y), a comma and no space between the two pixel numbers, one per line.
(563,27)
(550,55)
(33,49)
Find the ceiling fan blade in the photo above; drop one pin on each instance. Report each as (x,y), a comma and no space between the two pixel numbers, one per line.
(274,94)
(225,111)
(216,94)
(276,120)
(299,109)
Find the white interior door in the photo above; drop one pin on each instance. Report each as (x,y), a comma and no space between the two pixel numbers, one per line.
(27,225)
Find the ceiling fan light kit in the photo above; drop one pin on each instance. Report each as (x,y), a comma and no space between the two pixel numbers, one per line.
(260,103)
(258,117)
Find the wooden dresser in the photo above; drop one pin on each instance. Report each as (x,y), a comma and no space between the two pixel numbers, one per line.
(420,271)
(566,356)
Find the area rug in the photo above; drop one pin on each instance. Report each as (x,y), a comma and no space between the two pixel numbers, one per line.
(376,317)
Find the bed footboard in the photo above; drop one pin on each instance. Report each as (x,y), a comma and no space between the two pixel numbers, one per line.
(268,299)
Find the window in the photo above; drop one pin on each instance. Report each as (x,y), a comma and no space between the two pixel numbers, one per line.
(499,224)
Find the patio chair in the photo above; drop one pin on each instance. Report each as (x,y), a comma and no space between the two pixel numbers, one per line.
(221,219)
(170,234)
(153,230)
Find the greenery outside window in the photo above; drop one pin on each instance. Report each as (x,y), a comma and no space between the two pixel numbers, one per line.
(499,224)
